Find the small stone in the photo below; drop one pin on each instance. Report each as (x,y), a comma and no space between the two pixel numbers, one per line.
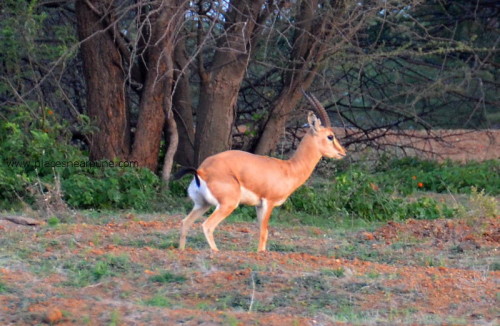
(53,316)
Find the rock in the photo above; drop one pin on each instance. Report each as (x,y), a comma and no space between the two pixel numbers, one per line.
(53,316)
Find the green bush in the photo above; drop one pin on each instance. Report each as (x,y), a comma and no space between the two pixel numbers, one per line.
(31,142)
(356,193)
(111,188)
(409,175)
(28,138)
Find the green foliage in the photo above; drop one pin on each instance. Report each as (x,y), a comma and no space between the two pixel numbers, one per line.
(83,273)
(158,301)
(409,175)
(3,287)
(338,272)
(29,138)
(53,221)
(35,146)
(110,188)
(168,277)
(428,208)
(356,193)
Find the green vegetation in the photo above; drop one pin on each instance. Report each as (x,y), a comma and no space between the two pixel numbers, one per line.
(168,277)
(3,287)
(338,272)
(84,272)
(409,175)
(376,193)
(36,154)
(359,193)
(158,300)
(115,318)
(53,221)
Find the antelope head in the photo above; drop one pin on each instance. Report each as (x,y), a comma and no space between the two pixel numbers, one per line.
(321,129)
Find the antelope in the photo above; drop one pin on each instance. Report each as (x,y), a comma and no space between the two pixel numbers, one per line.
(228,179)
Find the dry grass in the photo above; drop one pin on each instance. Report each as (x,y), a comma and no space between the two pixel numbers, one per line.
(125,270)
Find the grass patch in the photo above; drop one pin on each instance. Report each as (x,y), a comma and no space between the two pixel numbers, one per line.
(168,277)
(155,240)
(115,318)
(282,247)
(495,266)
(83,273)
(3,287)
(338,272)
(158,300)
(232,301)
(53,221)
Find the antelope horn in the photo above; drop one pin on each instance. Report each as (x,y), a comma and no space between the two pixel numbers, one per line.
(320,110)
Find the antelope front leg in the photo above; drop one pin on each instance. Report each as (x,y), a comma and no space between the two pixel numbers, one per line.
(263,214)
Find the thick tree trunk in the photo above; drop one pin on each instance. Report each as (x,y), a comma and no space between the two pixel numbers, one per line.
(105,80)
(275,126)
(308,51)
(220,85)
(156,99)
(216,116)
(182,108)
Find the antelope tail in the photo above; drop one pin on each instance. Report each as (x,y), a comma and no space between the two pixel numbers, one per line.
(185,171)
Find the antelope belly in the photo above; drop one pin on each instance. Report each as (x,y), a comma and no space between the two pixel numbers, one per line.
(249,198)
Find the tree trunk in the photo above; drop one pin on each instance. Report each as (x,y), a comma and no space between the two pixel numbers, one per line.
(182,108)
(173,141)
(275,126)
(220,85)
(216,116)
(307,53)
(105,80)
(156,99)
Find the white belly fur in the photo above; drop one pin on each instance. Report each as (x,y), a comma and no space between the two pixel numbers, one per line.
(249,198)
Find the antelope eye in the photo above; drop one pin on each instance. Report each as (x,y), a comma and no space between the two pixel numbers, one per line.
(330,137)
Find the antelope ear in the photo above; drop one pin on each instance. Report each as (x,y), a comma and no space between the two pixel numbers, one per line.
(314,122)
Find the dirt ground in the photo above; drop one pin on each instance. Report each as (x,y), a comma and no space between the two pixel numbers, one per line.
(125,270)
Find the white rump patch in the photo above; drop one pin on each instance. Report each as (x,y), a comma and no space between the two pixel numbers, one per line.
(201,195)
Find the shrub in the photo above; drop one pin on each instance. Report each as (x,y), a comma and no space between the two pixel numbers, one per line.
(26,141)
(31,144)
(405,176)
(356,193)
(111,188)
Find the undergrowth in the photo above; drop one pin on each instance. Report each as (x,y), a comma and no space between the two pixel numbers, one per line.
(34,152)
(409,175)
(392,189)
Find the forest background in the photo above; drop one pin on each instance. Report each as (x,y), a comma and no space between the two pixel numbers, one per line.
(159,83)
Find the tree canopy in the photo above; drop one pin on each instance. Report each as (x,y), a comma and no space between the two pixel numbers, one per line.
(158,81)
